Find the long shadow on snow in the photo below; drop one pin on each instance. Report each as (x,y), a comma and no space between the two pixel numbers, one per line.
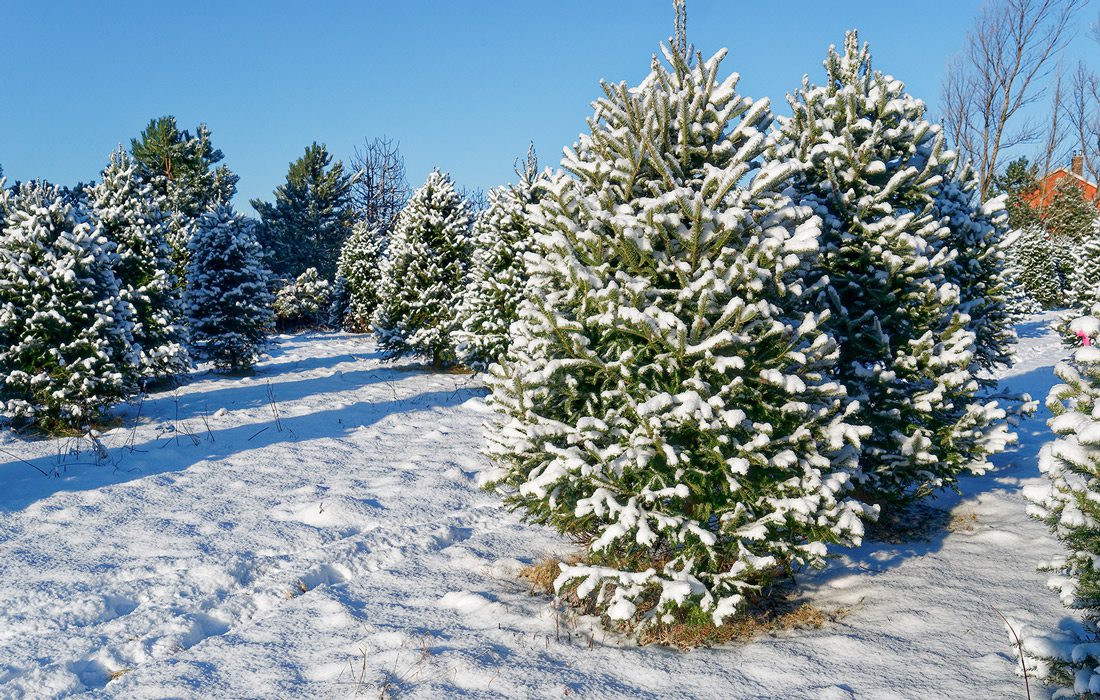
(24,486)
(1012,468)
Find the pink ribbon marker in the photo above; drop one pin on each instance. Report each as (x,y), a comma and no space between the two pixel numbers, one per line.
(1085,339)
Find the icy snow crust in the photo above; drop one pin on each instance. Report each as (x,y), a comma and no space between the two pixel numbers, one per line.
(350,551)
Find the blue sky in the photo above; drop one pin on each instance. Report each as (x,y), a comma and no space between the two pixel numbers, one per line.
(463,85)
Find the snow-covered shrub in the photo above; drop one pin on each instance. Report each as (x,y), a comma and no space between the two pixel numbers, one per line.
(497,281)
(1038,256)
(422,281)
(359,271)
(872,167)
(66,347)
(304,302)
(1070,505)
(666,399)
(227,299)
(123,209)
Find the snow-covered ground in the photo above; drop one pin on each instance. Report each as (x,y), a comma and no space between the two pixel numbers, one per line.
(212,549)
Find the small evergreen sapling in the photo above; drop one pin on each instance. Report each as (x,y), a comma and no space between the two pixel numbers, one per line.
(303,302)
(360,274)
(66,346)
(422,282)
(123,209)
(666,398)
(1038,256)
(227,299)
(1070,506)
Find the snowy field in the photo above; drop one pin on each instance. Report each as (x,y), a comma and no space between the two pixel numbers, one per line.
(337,545)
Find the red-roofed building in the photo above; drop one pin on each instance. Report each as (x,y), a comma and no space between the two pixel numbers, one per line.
(1042,195)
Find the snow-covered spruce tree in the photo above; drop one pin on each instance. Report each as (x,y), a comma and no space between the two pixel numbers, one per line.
(65,332)
(977,234)
(1084,291)
(1070,505)
(1020,302)
(227,299)
(497,281)
(360,272)
(1037,256)
(422,281)
(123,209)
(872,167)
(304,302)
(666,399)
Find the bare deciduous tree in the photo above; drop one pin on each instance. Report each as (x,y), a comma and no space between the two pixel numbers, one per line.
(1082,109)
(1008,55)
(381,190)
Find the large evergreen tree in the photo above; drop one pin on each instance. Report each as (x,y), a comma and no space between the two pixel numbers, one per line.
(311,216)
(872,163)
(666,398)
(1069,215)
(422,282)
(227,298)
(359,278)
(124,209)
(976,235)
(498,277)
(1019,179)
(65,332)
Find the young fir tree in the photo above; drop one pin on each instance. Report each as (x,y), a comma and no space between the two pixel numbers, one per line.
(311,216)
(66,346)
(422,282)
(1069,216)
(1084,291)
(872,164)
(1037,255)
(1070,505)
(1020,303)
(304,302)
(1019,179)
(498,275)
(123,209)
(977,235)
(182,170)
(666,397)
(227,298)
(359,275)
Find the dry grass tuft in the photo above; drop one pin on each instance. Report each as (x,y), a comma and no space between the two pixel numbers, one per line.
(965,521)
(115,675)
(542,574)
(784,616)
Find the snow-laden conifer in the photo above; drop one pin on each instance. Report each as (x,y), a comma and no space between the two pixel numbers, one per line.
(359,271)
(422,281)
(66,346)
(1038,256)
(872,165)
(1069,503)
(122,206)
(227,299)
(1084,291)
(304,302)
(498,277)
(666,399)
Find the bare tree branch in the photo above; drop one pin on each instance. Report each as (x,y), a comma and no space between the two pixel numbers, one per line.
(382,189)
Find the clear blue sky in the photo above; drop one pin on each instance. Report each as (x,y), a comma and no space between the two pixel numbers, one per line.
(463,85)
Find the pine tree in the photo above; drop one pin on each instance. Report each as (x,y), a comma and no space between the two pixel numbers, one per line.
(665,399)
(1084,291)
(1069,215)
(65,332)
(359,271)
(1070,505)
(311,216)
(977,236)
(872,163)
(422,282)
(182,170)
(1019,179)
(123,209)
(1040,274)
(498,275)
(1020,303)
(227,298)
